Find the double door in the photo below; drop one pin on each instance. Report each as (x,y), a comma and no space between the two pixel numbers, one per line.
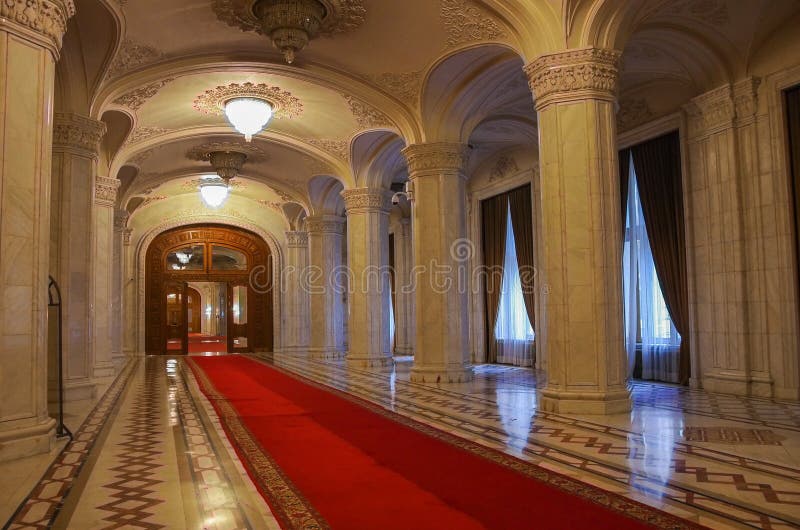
(231,315)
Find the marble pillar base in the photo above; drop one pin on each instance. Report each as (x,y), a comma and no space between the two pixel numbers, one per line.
(105,369)
(738,383)
(28,441)
(585,402)
(73,391)
(326,355)
(383,363)
(423,374)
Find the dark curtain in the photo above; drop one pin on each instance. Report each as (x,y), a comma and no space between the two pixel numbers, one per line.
(624,173)
(522,222)
(793,125)
(658,174)
(494,216)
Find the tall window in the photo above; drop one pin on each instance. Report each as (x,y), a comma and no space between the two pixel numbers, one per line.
(650,335)
(513,331)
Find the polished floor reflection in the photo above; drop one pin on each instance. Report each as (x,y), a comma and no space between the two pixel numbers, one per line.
(152,454)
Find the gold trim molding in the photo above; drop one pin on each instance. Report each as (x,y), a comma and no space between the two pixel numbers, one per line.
(284,104)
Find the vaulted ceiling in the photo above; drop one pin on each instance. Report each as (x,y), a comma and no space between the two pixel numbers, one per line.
(387,74)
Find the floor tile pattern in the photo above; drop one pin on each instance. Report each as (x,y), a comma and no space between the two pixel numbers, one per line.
(41,507)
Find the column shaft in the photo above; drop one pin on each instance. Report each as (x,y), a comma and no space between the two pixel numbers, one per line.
(325,297)
(368,260)
(105,194)
(30,39)
(580,224)
(404,309)
(296,302)
(441,255)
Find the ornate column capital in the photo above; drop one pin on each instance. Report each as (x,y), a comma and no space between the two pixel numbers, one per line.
(435,158)
(78,134)
(361,200)
(297,239)
(574,75)
(121,220)
(325,224)
(42,20)
(126,236)
(105,191)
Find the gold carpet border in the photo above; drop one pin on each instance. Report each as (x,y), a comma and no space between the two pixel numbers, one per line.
(613,501)
(291,509)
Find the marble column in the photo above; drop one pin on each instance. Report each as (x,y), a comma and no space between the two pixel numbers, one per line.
(404,296)
(76,143)
(129,295)
(441,257)
(368,261)
(118,271)
(581,287)
(105,195)
(30,40)
(325,294)
(296,306)
(731,294)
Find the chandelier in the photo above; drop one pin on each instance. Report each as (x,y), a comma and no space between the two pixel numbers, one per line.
(227,164)
(248,115)
(290,24)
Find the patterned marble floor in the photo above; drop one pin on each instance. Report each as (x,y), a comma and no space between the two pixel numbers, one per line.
(151,454)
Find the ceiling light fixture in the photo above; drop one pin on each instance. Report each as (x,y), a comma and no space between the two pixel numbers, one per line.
(290,24)
(249,116)
(214,191)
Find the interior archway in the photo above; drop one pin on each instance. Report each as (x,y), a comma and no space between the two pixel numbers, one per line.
(208,253)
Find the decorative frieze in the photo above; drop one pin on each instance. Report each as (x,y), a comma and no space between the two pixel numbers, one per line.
(47,18)
(134,99)
(745,99)
(297,239)
(587,73)
(366,199)
(328,224)
(77,133)
(723,107)
(105,191)
(436,157)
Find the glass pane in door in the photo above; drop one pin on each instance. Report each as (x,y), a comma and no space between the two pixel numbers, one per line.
(175,324)
(239,316)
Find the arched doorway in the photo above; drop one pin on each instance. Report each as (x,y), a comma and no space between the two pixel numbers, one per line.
(215,254)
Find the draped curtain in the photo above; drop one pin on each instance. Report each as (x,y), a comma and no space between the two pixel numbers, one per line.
(657,165)
(522,219)
(494,217)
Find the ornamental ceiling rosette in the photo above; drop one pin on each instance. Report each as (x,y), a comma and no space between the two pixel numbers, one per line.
(202,153)
(341,16)
(284,104)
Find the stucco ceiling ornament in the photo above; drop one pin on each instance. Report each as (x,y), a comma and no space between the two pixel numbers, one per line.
(202,153)
(405,86)
(366,115)
(272,205)
(466,22)
(134,99)
(284,104)
(290,24)
(506,165)
(338,148)
(132,55)
(194,184)
(140,134)
(633,112)
(712,12)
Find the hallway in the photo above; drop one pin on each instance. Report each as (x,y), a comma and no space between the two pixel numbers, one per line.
(153,455)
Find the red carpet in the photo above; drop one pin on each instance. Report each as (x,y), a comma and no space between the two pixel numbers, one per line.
(321,457)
